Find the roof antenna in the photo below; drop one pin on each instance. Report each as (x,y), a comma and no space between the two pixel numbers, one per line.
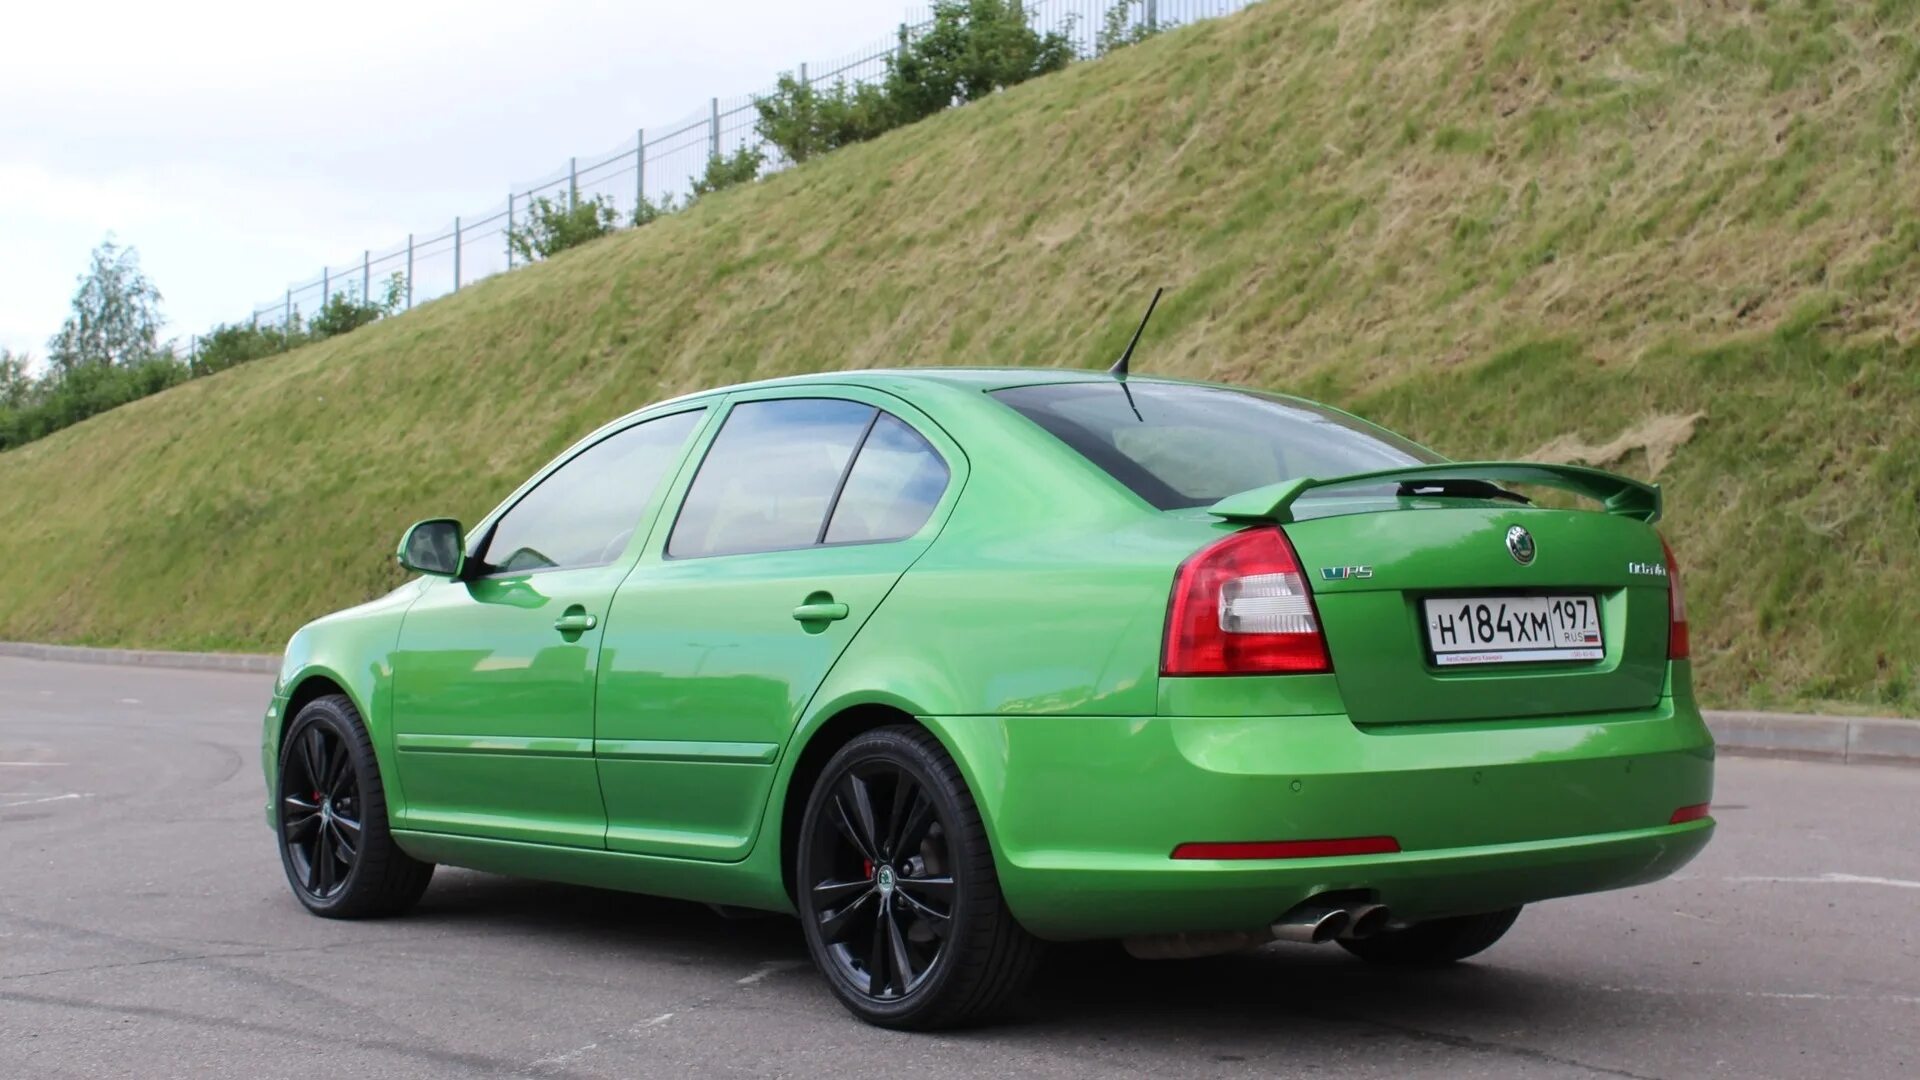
(1119,368)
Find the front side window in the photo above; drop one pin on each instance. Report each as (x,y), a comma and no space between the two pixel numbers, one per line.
(1180,446)
(585,512)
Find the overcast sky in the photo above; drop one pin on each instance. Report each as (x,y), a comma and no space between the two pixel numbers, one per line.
(239,145)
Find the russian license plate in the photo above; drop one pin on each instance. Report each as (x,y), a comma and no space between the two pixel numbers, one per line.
(1513,629)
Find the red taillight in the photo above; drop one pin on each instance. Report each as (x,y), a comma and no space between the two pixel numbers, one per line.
(1240,606)
(1678,647)
(1289,849)
(1689,813)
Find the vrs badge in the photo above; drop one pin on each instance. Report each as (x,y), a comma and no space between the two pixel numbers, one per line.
(1345,573)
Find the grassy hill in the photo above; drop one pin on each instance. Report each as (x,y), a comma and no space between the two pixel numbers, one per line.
(1672,238)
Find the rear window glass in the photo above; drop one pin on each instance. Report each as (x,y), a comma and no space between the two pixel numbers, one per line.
(1180,446)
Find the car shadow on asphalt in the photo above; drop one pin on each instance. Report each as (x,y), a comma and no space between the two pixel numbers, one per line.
(1305,994)
(667,929)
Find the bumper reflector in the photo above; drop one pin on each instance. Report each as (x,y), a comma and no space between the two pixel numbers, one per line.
(1689,813)
(1289,849)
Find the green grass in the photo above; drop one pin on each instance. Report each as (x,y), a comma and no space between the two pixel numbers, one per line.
(1490,225)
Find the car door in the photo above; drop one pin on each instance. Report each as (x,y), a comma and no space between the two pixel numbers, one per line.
(803,513)
(493,675)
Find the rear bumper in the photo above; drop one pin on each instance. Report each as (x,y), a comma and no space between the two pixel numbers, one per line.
(1084,812)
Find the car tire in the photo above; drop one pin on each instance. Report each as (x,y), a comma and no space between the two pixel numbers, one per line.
(331,819)
(1434,943)
(897,891)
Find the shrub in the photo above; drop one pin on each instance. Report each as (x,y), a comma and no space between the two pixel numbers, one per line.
(974,48)
(647,210)
(230,346)
(554,225)
(803,121)
(64,398)
(346,311)
(728,170)
(1118,30)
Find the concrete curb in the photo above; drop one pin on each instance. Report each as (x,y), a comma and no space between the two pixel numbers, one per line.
(1855,740)
(1850,739)
(255,663)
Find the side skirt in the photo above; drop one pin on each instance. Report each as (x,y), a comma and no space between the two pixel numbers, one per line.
(746,884)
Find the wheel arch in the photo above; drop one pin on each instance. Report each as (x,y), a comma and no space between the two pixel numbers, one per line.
(813,749)
(309,678)
(317,681)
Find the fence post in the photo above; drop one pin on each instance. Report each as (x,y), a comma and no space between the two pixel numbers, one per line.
(1153,16)
(456,254)
(804,81)
(286,320)
(903,41)
(326,286)
(409,271)
(509,230)
(366,276)
(639,171)
(713,131)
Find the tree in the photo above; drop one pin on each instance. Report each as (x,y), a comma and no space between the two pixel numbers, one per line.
(116,315)
(16,381)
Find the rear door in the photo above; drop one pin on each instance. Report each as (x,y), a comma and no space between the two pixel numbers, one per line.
(803,513)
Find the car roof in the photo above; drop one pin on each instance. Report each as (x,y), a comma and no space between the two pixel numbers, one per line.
(904,380)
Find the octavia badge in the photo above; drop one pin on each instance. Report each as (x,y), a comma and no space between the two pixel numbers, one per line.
(1520,545)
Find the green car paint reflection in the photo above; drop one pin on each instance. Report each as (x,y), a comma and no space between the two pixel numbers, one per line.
(951,661)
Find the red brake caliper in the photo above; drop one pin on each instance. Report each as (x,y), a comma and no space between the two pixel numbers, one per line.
(866,867)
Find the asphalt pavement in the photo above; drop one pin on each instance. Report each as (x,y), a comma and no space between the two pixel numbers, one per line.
(145,930)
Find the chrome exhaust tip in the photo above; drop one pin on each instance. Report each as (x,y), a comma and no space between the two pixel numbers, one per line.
(1311,924)
(1365,920)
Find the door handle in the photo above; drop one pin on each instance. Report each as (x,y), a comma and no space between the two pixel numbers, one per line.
(820,612)
(574,622)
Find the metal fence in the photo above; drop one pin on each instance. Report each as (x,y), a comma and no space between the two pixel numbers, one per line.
(657,163)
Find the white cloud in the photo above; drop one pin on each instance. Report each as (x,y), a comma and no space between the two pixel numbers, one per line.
(239,146)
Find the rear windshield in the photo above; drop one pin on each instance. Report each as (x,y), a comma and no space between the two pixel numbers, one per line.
(1182,446)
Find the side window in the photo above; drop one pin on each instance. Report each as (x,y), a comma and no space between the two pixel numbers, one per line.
(584,512)
(770,476)
(895,484)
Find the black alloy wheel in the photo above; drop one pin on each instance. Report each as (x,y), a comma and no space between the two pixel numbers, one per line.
(331,815)
(320,812)
(885,907)
(899,898)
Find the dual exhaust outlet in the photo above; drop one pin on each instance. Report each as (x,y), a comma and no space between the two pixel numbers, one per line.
(1310,923)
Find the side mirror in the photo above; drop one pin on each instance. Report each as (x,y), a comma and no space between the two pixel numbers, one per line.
(433,547)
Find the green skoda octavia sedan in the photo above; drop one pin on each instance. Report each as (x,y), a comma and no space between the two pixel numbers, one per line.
(951,663)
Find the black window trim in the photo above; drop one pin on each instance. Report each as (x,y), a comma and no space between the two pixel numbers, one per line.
(833,504)
(493,523)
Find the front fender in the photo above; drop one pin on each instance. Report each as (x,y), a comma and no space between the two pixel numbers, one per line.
(351,650)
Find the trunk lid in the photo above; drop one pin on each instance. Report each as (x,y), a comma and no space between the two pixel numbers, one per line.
(1372,573)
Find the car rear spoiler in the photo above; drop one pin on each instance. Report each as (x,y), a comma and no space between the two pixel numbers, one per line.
(1619,494)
